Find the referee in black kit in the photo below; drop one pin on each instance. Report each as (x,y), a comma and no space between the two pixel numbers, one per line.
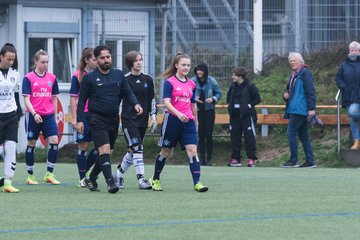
(104,87)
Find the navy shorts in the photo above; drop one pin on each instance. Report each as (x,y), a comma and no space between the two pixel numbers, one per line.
(48,126)
(134,136)
(104,129)
(86,136)
(9,125)
(173,131)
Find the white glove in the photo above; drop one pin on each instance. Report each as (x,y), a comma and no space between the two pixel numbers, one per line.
(153,123)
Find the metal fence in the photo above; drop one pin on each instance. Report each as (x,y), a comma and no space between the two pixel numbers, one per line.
(220,32)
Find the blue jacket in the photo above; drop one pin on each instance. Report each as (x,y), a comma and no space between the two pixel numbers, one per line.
(211,90)
(302,94)
(348,81)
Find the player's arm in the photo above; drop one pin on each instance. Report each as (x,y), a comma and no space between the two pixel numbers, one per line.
(130,96)
(193,105)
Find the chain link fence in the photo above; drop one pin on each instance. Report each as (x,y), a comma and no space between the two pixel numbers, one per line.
(220,32)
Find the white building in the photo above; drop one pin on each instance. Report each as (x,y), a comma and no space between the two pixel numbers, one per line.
(64,28)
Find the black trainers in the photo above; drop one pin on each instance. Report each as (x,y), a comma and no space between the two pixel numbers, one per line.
(1,181)
(112,188)
(290,164)
(91,185)
(308,165)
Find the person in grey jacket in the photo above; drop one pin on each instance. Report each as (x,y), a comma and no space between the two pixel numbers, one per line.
(207,95)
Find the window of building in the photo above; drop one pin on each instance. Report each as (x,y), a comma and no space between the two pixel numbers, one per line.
(61,52)
(119,49)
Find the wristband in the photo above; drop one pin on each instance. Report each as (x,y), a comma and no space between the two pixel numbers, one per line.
(34,114)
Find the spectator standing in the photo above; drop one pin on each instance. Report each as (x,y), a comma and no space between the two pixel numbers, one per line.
(207,95)
(242,97)
(348,81)
(300,100)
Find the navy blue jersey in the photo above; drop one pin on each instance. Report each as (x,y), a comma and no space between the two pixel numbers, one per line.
(143,87)
(105,92)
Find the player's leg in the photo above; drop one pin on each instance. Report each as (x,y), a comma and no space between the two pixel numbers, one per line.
(11,132)
(32,134)
(170,131)
(189,141)
(50,132)
(127,159)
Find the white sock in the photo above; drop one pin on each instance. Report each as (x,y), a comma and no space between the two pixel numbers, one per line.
(139,163)
(10,159)
(7,181)
(125,164)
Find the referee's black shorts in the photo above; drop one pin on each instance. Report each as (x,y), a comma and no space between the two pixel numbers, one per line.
(104,130)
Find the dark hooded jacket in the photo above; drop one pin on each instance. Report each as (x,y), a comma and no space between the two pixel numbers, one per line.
(245,96)
(348,81)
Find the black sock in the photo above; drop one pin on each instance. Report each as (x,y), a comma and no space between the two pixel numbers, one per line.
(105,164)
(91,158)
(159,165)
(96,170)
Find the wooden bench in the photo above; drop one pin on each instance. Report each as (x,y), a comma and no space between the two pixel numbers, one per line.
(265,118)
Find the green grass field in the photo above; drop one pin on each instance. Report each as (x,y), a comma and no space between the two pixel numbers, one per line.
(242,203)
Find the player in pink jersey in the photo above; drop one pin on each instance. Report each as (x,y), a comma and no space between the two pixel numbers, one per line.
(179,124)
(84,159)
(40,90)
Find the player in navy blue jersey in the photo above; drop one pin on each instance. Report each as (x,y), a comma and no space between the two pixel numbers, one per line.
(134,125)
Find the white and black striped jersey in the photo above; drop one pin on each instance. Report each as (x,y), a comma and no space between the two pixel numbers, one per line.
(9,84)
(143,87)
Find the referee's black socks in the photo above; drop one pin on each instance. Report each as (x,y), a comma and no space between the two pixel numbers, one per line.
(104,161)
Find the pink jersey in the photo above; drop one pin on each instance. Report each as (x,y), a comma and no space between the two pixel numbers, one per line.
(75,87)
(41,89)
(182,93)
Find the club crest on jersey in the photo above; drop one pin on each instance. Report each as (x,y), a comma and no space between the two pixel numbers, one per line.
(12,79)
(97,80)
(49,83)
(145,85)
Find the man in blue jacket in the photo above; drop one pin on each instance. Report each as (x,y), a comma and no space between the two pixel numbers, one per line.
(301,103)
